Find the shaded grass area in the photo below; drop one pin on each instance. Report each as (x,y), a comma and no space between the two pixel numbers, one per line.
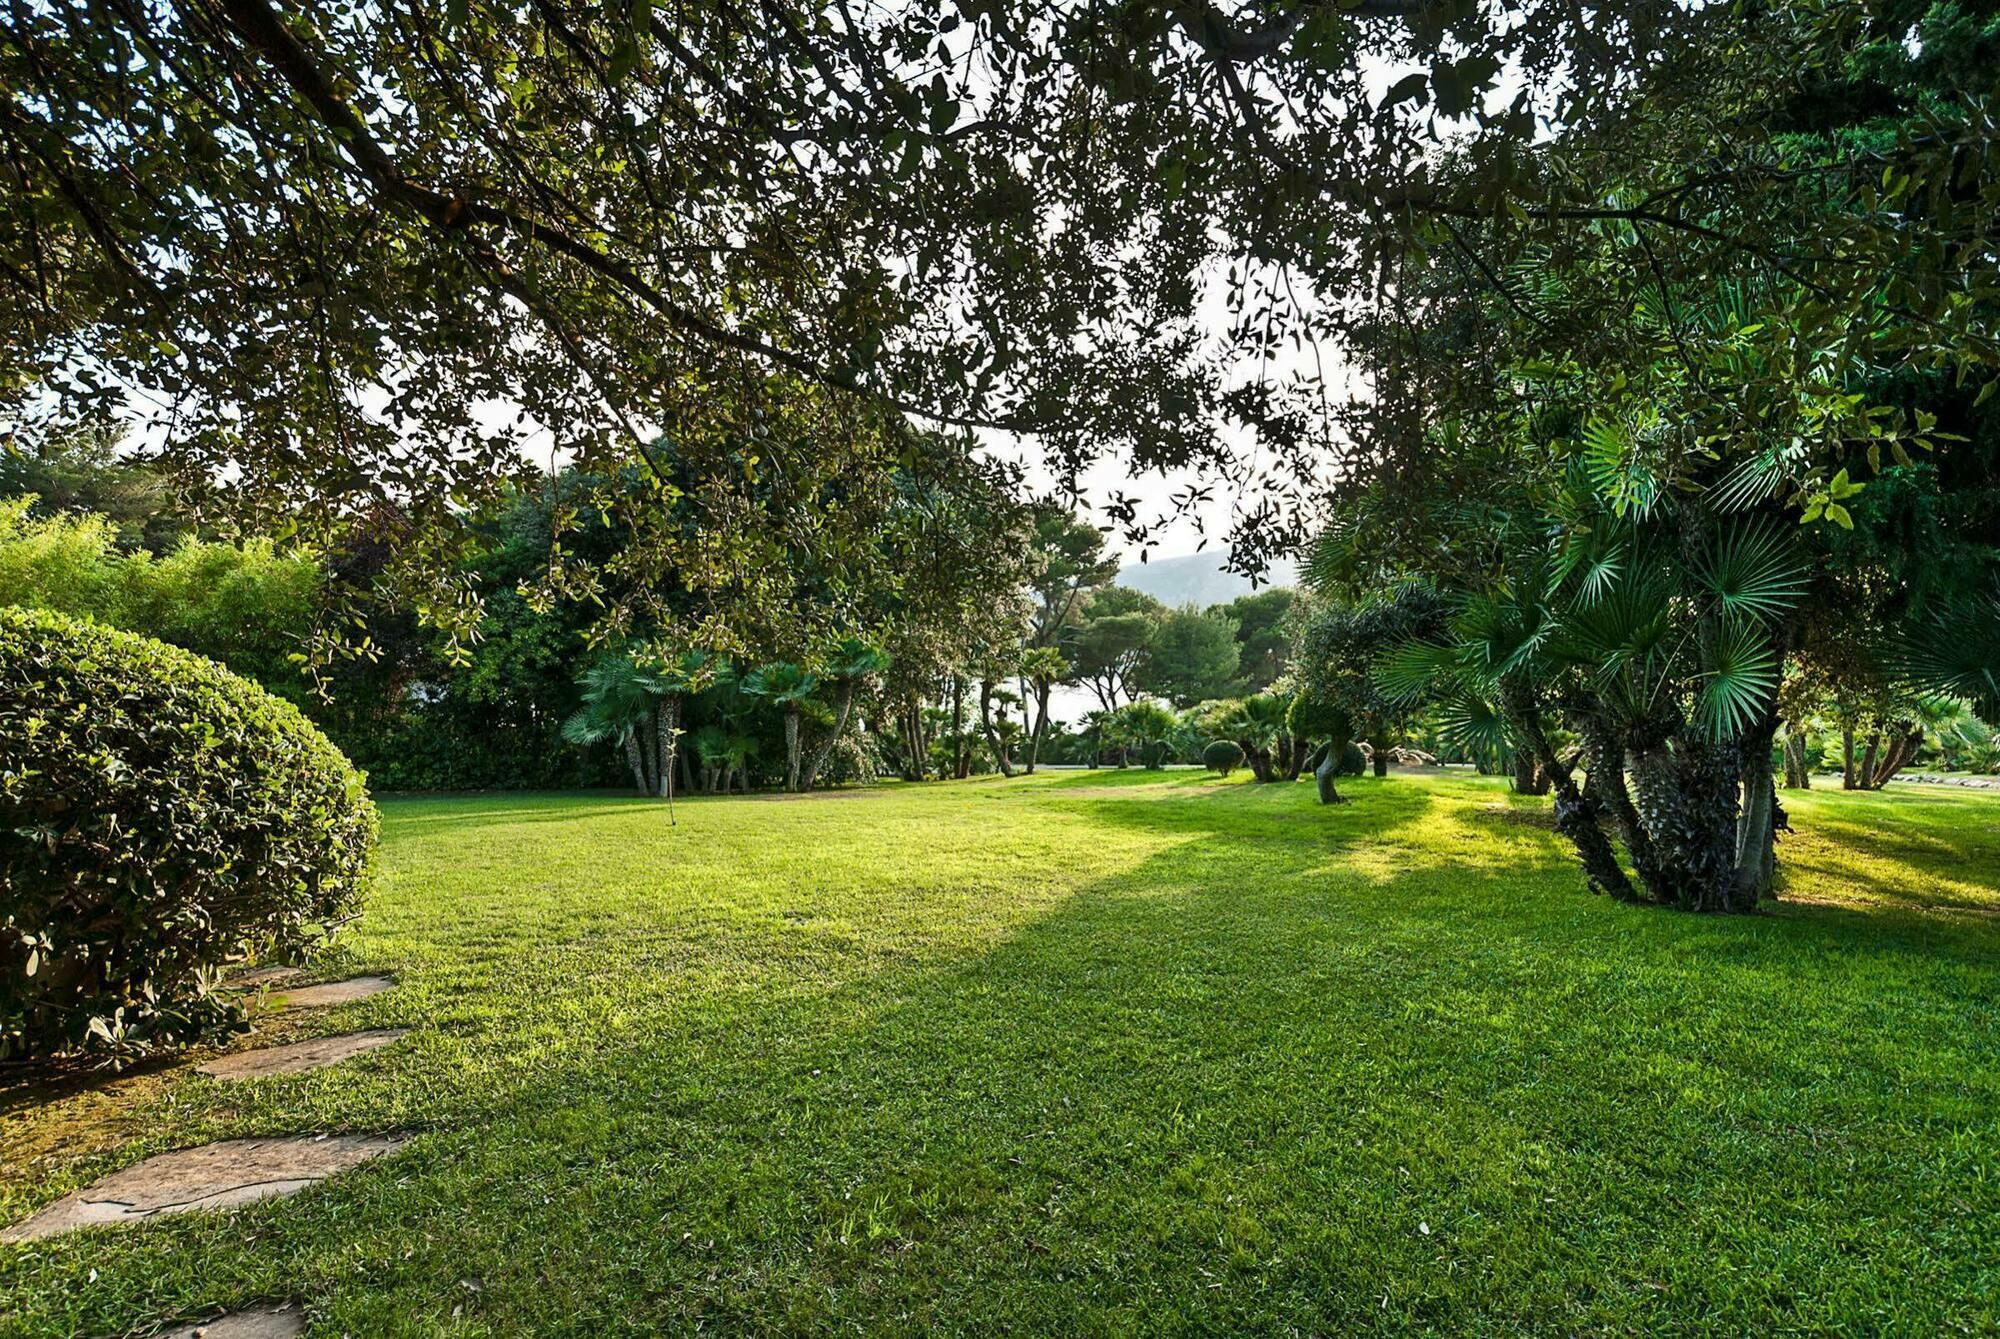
(1097,1053)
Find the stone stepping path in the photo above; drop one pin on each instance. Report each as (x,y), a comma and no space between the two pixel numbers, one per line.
(264,1322)
(299,1057)
(331,992)
(216,1176)
(264,976)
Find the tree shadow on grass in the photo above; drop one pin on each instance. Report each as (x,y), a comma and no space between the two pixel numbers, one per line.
(1239,1087)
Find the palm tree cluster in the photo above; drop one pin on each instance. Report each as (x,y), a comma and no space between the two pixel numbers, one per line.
(634,697)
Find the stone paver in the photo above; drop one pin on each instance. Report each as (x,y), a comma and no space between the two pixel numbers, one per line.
(264,976)
(299,1056)
(332,992)
(216,1176)
(264,1322)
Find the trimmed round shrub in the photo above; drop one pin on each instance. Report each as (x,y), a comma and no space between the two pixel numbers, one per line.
(1224,756)
(159,818)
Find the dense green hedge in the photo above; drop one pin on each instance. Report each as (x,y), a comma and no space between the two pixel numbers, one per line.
(1222,755)
(159,816)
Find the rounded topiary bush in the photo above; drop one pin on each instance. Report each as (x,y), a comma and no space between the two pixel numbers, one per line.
(1224,756)
(159,817)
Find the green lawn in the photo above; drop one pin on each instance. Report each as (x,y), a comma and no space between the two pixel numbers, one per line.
(1097,1053)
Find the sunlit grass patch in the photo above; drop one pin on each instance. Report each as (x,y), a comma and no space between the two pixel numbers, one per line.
(1100,1052)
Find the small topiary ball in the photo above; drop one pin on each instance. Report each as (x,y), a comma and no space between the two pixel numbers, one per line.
(159,817)
(1353,762)
(1224,756)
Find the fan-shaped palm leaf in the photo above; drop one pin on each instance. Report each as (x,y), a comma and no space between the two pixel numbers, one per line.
(1739,678)
(1956,651)
(1753,569)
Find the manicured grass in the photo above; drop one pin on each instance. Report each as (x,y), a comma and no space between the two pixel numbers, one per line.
(1097,1053)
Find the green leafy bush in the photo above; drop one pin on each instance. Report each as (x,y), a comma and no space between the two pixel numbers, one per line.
(159,816)
(1224,756)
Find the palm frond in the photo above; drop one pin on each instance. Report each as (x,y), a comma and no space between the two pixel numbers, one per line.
(1739,679)
(1754,570)
(1955,650)
(1475,723)
(1407,672)
(1621,478)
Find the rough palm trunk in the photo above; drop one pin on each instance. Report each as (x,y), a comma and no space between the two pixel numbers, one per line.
(1604,756)
(1042,689)
(1867,774)
(825,750)
(1576,815)
(993,740)
(1688,802)
(791,748)
(1298,762)
(636,760)
(1848,779)
(1380,745)
(1898,755)
(1528,776)
(649,754)
(1259,759)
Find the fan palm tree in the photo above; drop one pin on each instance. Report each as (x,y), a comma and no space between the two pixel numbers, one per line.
(633,697)
(1657,634)
(618,698)
(850,662)
(1259,726)
(1149,725)
(787,687)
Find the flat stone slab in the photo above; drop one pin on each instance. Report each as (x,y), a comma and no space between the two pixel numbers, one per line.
(299,1057)
(332,992)
(264,1322)
(216,1176)
(264,976)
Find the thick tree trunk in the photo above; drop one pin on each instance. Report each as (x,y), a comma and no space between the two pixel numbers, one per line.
(1604,756)
(825,750)
(649,754)
(1756,822)
(1688,799)
(1259,759)
(1797,775)
(1848,778)
(1380,745)
(1329,759)
(791,749)
(1867,775)
(1901,750)
(1528,776)
(636,760)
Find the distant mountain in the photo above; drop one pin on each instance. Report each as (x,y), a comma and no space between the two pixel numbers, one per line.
(1197,578)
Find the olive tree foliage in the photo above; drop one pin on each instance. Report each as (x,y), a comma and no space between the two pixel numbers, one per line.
(328,240)
(1339,645)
